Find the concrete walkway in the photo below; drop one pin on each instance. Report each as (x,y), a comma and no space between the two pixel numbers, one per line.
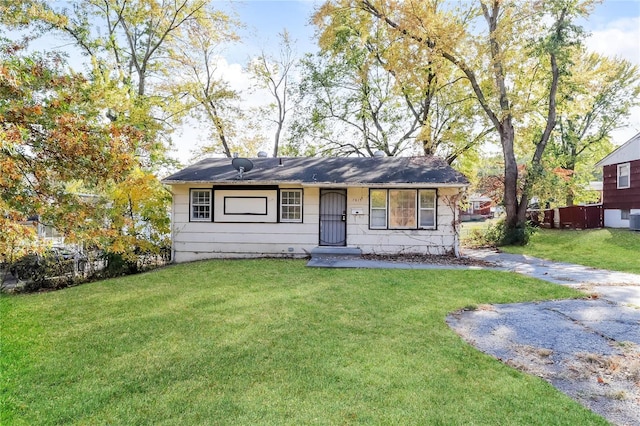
(619,287)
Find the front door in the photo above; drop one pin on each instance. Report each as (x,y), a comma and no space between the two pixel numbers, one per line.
(333,217)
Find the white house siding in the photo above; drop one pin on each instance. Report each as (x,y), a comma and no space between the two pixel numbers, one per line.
(613,218)
(207,240)
(382,241)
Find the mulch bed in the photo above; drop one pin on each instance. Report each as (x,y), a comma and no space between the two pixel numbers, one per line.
(429,259)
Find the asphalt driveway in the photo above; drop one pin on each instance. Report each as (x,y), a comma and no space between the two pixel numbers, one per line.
(587,348)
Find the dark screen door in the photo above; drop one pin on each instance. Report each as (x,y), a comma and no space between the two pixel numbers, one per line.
(333,217)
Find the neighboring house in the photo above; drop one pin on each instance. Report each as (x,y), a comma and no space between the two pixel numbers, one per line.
(621,184)
(478,207)
(46,233)
(289,206)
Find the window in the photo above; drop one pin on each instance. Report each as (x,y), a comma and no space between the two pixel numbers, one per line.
(624,214)
(378,208)
(623,176)
(200,205)
(291,205)
(402,209)
(428,208)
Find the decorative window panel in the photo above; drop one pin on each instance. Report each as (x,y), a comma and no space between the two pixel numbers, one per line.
(402,209)
(246,205)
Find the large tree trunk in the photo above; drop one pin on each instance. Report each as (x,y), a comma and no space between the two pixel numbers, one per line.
(507,136)
(515,209)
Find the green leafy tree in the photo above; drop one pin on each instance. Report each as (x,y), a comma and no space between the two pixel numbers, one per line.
(60,158)
(514,67)
(205,95)
(390,99)
(131,42)
(597,101)
(53,134)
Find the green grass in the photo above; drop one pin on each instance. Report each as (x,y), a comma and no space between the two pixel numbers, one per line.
(466,228)
(268,342)
(613,249)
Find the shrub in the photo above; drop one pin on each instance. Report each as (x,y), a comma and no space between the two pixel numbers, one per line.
(497,235)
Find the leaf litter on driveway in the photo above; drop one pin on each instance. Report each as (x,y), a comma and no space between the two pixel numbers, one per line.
(588,349)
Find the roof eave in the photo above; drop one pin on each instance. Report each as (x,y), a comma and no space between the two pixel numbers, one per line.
(321,184)
(605,161)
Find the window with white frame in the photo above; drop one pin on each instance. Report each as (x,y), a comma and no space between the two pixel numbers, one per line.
(378,209)
(291,205)
(427,208)
(200,205)
(402,209)
(624,172)
(624,214)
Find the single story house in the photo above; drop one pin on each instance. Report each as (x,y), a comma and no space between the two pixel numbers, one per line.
(478,207)
(621,184)
(289,206)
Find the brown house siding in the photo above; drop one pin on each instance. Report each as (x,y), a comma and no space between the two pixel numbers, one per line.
(614,198)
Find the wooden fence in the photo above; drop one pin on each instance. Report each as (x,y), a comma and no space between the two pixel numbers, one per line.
(574,217)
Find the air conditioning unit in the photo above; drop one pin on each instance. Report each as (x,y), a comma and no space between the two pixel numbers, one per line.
(634,222)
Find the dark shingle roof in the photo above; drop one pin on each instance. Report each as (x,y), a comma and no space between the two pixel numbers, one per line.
(321,170)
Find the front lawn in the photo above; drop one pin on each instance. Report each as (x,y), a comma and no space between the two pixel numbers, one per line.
(268,342)
(613,249)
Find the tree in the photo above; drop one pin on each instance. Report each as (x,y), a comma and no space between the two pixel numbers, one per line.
(137,215)
(601,93)
(355,87)
(196,55)
(275,74)
(349,108)
(61,158)
(131,42)
(53,134)
(514,68)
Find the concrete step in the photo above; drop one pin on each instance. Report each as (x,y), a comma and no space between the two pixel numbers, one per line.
(336,251)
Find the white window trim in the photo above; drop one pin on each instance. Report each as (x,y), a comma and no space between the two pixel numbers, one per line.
(418,209)
(385,209)
(434,209)
(628,175)
(282,204)
(192,205)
